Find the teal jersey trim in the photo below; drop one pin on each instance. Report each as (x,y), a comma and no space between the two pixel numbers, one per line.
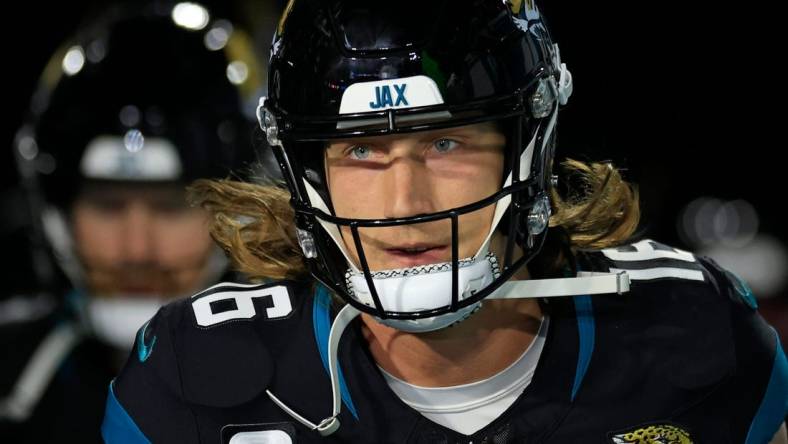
(586,329)
(118,427)
(321,322)
(144,350)
(774,406)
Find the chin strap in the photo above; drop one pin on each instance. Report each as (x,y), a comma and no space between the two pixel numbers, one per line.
(586,283)
(331,424)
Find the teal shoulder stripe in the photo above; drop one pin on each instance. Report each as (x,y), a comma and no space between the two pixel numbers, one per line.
(586,329)
(774,406)
(118,427)
(321,323)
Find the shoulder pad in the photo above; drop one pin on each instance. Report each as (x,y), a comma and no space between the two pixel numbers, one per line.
(645,260)
(217,341)
(730,284)
(675,310)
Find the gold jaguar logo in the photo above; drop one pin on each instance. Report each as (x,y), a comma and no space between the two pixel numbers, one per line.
(652,434)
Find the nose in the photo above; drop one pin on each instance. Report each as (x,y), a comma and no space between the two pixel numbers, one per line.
(139,239)
(409,183)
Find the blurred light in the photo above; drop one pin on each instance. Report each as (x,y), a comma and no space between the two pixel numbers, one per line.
(703,223)
(28,148)
(686,223)
(237,72)
(707,221)
(763,263)
(746,223)
(133,140)
(219,35)
(96,51)
(129,115)
(74,60)
(190,16)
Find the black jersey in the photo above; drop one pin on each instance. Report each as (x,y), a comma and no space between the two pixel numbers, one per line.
(683,357)
(53,378)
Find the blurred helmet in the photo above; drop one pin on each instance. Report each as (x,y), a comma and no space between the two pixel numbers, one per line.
(153,95)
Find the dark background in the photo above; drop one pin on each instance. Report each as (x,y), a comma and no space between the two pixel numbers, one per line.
(685,96)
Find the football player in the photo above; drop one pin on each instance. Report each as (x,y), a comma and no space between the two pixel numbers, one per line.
(136,105)
(426,278)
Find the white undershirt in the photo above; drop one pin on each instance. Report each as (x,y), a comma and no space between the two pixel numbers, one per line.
(469,407)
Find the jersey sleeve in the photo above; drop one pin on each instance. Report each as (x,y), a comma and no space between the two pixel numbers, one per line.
(760,381)
(195,360)
(144,402)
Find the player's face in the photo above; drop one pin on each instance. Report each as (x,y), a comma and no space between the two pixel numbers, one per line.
(411,174)
(140,240)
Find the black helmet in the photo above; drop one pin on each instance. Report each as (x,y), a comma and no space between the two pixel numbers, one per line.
(342,69)
(151,94)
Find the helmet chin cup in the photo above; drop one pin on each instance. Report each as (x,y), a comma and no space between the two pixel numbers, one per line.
(431,324)
(426,287)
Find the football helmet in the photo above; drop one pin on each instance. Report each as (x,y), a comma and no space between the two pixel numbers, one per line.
(344,69)
(154,94)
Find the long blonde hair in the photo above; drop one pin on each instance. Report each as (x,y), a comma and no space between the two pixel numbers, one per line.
(254,223)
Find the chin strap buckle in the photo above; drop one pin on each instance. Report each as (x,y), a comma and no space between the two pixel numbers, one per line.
(328,426)
(565,84)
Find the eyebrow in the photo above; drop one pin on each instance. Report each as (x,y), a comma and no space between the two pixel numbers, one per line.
(421,135)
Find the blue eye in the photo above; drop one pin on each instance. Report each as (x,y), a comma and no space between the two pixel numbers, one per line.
(359,152)
(445,145)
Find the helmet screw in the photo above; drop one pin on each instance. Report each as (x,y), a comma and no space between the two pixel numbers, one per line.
(542,99)
(539,217)
(307,243)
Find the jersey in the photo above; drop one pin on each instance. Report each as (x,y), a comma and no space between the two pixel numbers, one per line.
(682,357)
(53,377)
(55,371)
